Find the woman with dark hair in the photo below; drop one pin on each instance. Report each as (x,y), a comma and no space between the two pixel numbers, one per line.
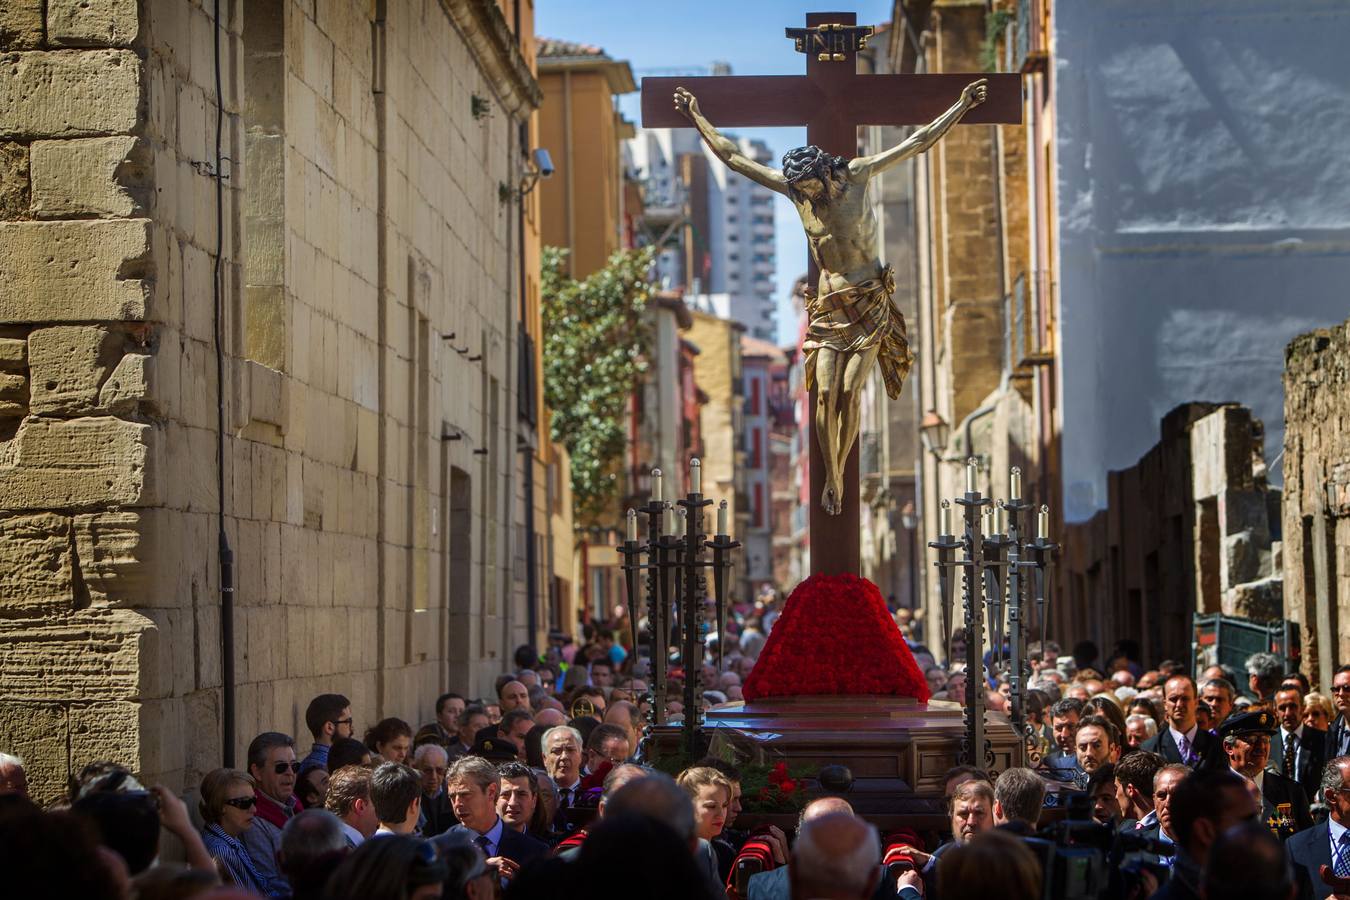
(1108,707)
(227,805)
(312,786)
(1145,707)
(390,739)
(348,752)
(394,867)
(534,747)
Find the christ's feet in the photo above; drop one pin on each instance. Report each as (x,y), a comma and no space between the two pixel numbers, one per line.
(832,500)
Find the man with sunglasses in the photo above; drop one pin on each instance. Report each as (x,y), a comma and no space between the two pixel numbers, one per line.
(1203,806)
(1327,843)
(1338,735)
(328,717)
(272,763)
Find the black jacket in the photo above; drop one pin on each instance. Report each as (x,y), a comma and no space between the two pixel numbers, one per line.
(520,848)
(1308,852)
(1276,792)
(1338,739)
(1312,756)
(1206,746)
(437,815)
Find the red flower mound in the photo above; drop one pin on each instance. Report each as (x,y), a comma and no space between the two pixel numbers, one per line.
(835,637)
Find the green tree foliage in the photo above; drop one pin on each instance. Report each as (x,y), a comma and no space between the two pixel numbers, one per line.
(596,344)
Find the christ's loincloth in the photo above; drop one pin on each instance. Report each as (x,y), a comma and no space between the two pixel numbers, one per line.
(858,318)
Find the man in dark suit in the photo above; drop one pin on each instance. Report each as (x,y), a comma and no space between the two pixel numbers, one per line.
(1327,843)
(1338,735)
(1203,806)
(1297,751)
(1183,740)
(472,784)
(1246,740)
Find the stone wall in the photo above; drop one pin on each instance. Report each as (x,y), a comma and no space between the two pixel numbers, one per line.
(1191,528)
(367,304)
(1316,469)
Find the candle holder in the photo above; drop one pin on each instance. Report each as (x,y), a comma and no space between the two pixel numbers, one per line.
(676,582)
(1000,564)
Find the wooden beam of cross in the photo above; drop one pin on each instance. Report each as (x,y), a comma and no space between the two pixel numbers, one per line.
(832,100)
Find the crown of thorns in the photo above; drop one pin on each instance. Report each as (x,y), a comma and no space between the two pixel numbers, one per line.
(810,162)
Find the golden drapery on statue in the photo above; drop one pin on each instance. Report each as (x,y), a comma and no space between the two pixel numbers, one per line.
(857,318)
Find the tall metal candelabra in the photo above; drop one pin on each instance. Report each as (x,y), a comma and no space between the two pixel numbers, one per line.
(676,582)
(995,569)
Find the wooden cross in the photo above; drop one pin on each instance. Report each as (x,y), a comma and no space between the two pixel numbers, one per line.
(832,100)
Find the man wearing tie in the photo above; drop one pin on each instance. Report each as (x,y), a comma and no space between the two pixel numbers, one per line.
(472,784)
(1297,751)
(1183,741)
(1338,735)
(562,760)
(1246,740)
(1327,843)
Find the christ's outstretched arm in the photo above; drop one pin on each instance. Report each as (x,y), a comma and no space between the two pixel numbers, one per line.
(865,167)
(725,148)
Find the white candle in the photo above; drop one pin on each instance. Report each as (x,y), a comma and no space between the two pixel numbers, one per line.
(1043,522)
(972,467)
(656,484)
(722,517)
(946,518)
(1015,484)
(632,525)
(668,520)
(681,521)
(1000,519)
(695,476)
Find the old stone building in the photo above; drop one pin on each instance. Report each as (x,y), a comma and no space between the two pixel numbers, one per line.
(1192,527)
(348,297)
(1316,467)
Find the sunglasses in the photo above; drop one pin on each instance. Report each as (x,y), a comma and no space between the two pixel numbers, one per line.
(281,767)
(242,802)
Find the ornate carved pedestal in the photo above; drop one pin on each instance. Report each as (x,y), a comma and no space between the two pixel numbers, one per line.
(897,748)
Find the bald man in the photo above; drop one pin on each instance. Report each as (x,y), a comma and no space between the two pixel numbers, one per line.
(837,857)
(773,884)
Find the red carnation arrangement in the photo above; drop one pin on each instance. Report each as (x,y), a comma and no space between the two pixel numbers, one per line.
(835,637)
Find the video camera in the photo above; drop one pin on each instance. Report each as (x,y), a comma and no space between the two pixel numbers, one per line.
(1081,858)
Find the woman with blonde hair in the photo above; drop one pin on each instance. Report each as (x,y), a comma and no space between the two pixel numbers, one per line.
(710,792)
(1318,711)
(227,805)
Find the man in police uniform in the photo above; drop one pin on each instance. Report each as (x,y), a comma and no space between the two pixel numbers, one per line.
(1246,740)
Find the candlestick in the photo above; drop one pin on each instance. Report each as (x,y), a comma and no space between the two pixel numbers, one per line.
(632,525)
(972,469)
(656,484)
(1015,484)
(695,476)
(946,518)
(722,517)
(1043,522)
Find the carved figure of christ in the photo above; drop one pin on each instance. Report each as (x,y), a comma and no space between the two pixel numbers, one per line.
(828,190)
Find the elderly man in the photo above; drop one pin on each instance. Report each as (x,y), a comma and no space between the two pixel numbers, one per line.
(773,884)
(1219,695)
(273,766)
(626,715)
(1265,671)
(1246,740)
(1162,828)
(1327,843)
(606,743)
(1297,751)
(1183,741)
(473,785)
(13,779)
(836,858)
(562,760)
(972,807)
(432,762)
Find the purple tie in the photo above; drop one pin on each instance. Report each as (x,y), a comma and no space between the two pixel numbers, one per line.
(1185,747)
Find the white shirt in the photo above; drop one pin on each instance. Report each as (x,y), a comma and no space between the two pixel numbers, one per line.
(1190,737)
(573,789)
(1337,831)
(1298,742)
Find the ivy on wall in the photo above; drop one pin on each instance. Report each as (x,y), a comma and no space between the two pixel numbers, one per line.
(596,344)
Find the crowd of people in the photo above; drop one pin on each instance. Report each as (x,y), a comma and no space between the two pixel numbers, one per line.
(1221,786)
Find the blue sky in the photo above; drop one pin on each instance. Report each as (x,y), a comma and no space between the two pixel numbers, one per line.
(657,37)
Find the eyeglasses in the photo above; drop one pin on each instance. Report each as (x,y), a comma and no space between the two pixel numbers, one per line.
(242,802)
(281,767)
(346,721)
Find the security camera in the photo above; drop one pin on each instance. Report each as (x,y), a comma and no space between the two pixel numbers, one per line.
(543,162)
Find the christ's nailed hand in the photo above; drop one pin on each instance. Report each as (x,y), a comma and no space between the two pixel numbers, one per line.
(976,92)
(686,103)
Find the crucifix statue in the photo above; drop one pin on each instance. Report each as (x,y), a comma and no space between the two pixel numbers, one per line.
(853,324)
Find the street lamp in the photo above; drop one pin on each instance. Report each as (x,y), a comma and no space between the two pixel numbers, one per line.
(934,432)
